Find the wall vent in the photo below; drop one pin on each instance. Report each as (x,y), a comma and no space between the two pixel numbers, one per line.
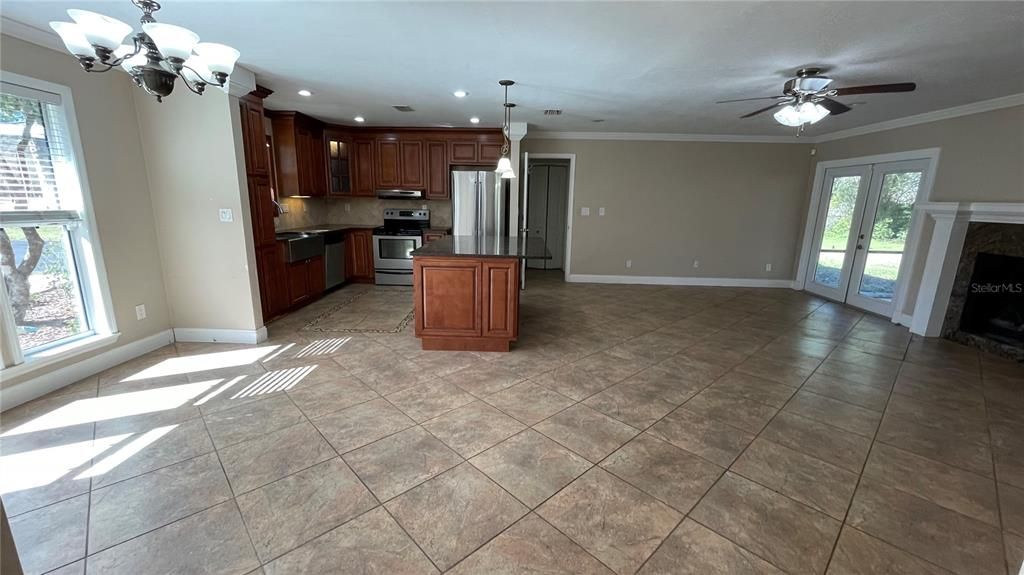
(552,112)
(404,108)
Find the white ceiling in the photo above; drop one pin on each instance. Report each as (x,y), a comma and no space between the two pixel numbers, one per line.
(640,67)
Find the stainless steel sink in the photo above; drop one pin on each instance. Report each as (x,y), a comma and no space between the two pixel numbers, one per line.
(301,245)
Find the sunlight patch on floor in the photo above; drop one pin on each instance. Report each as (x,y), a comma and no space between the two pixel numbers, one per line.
(125,452)
(41,467)
(279,380)
(323,346)
(203,362)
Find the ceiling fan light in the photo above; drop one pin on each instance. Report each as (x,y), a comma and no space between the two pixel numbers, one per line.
(218,57)
(172,41)
(788,116)
(812,112)
(101,30)
(74,38)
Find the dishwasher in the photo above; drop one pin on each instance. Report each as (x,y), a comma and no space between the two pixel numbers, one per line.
(334,258)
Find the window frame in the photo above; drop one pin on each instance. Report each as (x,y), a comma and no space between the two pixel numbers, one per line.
(86,251)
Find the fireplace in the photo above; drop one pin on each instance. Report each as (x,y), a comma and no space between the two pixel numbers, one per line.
(986,306)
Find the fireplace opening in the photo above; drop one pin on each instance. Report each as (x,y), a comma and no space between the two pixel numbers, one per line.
(994,307)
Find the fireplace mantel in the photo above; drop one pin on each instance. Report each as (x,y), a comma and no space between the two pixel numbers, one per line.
(949,221)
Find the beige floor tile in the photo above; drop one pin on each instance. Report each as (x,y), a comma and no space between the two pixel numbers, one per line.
(270,457)
(864,374)
(1011,504)
(644,398)
(1008,452)
(284,514)
(529,402)
(159,447)
(674,476)
(792,536)
(252,419)
(365,423)
(937,444)
(786,372)
(711,439)
(397,463)
(957,542)
(453,514)
(866,396)
(754,388)
(967,422)
(693,549)
(473,428)
(735,410)
(807,479)
(895,352)
(483,379)
(129,508)
(1014,553)
(574,382)
(323,396)
(530,546)
(693,369)
(615,522)
(51,536)
(858,553)
(950,487)
(587,432)
(212,541)
(430,399)
(47,463)
(830,444)
(841,414)
(531,466)
(371,544)
(393,375)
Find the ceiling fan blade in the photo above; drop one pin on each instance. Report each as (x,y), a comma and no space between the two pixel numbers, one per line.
(756,112)
(833,106)
(877,89)
(751,99)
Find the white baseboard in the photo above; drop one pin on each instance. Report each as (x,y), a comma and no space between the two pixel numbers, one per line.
(680,281)
(51,381)
(195,334)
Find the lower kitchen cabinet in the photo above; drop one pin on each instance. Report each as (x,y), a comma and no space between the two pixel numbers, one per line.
(359,256)
(273,276)
(305,280)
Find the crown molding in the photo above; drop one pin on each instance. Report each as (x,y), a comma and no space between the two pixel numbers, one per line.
(660,137)
(31,34)
(927,117)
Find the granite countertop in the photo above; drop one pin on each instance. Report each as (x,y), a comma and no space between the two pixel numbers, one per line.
(329,227)
(473,246)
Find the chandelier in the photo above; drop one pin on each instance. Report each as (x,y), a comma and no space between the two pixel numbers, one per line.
(155,57)
(504,168)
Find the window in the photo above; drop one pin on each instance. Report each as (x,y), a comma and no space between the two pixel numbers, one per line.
(51,295)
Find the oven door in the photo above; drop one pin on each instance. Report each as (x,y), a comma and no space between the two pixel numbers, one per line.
(394,252)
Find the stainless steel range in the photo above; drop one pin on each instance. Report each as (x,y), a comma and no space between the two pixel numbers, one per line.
(393,242)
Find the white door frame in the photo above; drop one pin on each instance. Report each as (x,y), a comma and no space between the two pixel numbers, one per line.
(569,210)
(913,236)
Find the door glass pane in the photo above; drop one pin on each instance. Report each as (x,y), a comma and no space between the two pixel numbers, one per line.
(42,285)
(889,234)
(834,239)
(397,249)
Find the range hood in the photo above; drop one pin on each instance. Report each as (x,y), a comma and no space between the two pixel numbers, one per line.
(400,194)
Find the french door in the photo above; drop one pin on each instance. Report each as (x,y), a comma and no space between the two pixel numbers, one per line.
(861,233)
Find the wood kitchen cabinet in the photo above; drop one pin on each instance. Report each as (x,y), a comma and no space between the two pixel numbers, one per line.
(363,162)
(339,164)
(399,163)
(483,150)
(301,154)
(305,280)
(437,171)
(359,256)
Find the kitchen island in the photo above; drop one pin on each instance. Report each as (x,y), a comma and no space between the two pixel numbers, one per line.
(466,291)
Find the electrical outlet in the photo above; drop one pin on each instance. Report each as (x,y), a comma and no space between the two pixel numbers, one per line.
(584,211)
(600,211)
(140,312)
(629,263)
(226,215)
(284,208)
(305,208)
(348,208)
(767,267)
(696,264)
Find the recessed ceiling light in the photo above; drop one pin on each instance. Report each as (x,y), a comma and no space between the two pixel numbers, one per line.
(460,93)
(305,93)
(359,119)
(474,120)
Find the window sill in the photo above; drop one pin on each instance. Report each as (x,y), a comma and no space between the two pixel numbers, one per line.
(59,353)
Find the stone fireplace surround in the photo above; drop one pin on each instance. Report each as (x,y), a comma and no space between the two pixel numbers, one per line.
(949,223)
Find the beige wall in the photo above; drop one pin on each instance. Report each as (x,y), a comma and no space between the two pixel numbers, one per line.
(192,158)
(733,206)
(117,180)
(982,157)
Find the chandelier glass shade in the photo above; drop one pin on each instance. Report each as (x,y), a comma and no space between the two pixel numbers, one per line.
(154,57)
(796,115)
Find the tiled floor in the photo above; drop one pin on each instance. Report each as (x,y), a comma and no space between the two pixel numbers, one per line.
(657,430)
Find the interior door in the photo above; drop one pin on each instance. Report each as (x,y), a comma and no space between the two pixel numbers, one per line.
(524,204)
(878,253)
(536,217)
(839,214)
(558,205)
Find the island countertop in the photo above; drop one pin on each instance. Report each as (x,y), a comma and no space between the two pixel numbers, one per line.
(484,247)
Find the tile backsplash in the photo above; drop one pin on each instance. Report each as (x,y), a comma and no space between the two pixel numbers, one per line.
(304,212)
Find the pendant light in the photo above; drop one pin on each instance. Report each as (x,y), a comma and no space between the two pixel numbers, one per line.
(504,168)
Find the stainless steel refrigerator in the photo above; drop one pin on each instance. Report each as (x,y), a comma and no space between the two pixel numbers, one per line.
(479,204)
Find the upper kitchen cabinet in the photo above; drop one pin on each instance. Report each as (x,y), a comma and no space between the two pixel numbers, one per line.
(437,170)
(399,161)
(475,150)
(301,154)
(363,167)
(339,164)
(257,157)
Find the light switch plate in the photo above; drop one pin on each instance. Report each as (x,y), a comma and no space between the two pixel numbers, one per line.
(140,312)
(600,211)
(226,215)
(584,211)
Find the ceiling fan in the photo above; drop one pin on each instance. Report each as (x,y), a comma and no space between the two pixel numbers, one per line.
(808,98)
